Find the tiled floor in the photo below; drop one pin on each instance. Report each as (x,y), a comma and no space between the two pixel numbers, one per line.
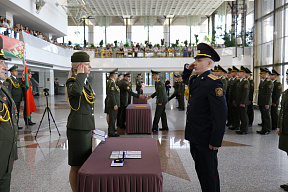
(247,163)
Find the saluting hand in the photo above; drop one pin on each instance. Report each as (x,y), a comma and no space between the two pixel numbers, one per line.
(213,148)
(191,66)
(149,97)
(80,68)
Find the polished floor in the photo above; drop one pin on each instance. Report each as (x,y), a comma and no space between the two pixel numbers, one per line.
(247,163)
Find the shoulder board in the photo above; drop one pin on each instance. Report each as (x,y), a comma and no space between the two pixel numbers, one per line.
(277,81)
(223,78)
(245,79)
(250,79)
(237,78)
(72,78)
(211,76)
(267,79)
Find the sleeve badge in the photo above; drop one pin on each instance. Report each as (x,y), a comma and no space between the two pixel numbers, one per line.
(270,86)
(219,92)
(246,86)
(279,87)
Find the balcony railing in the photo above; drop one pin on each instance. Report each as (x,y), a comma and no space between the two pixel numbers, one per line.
(142,54)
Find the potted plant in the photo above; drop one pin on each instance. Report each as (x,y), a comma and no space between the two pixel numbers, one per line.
(115,42)
(101,43)
(92,46)
(69,43)
(126,45)
(196,39)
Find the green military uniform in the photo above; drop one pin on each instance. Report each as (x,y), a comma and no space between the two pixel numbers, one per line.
(161,98)
(283,121)
(176,91)
(81,121)
(276,93)
(242,96)
(113,99)
(118,79)
(8,135)
(125,92)
(223,78)
(250,109)
(56,87)
(265,98)
(181,90)
(139,85)
(229,105)
(232,97)
(117,83)
(15,89)
(129,97)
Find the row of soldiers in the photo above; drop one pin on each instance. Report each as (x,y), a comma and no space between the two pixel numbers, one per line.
(179,90)
(17,89)
(239,88)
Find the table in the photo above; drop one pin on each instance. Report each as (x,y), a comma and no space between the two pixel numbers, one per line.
(139,101)
(138,118)
(141,175)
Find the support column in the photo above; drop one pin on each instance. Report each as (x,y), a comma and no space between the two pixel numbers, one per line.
(46,79)
(128,29)
(166,32)
(90,34)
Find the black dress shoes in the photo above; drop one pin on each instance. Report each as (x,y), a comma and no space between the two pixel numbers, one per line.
(234,128)
(154,129)
(258,132)
(164,129)
(284,186)
(31,123)
(265,133)
(114,135)
(241,133)
(20,127)
(260,124)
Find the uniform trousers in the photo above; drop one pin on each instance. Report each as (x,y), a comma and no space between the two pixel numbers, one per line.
(122,117)
(112,120)
(160,112)
(243,118)
(181,102)
(206,164)
(235,117)
(18,110)
(250,112)
(5,182)
(266,118)
(229,117)
(274,116)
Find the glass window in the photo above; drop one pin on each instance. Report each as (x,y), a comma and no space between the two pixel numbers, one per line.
(278,52)
(286,20)
(99,34)
(267,53)
(267,29)
(258,33)
(155,34)
(139,34)
(116,33)
(279,24)
(267,6)
(286,50)
(258,9)
(258,55)
(279,3)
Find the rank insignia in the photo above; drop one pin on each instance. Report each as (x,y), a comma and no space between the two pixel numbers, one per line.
(279,87)
(246,86)
(219,92)
(5,98)
(270,86)
(160,86)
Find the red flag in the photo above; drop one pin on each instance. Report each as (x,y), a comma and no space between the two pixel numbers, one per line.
(30,104)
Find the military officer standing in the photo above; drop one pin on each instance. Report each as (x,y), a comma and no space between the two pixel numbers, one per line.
(161,100)
(181,90)
(139,84)
(24,94)
(283,126)
(206,116)
(113,102)
(229,105)
(232,97)
(250,110)
(8,130)
(120,77)
(125,93)
(242,96)
(176,90)
(220,74)
(129,96)
(15,89)
(56,86)
(265,101)
(276,93)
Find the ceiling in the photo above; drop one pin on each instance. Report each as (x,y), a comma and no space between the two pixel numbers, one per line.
(146,7)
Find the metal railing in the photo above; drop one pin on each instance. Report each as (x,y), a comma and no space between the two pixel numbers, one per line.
(142,54)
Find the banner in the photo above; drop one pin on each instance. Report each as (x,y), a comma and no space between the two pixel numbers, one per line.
(12,47)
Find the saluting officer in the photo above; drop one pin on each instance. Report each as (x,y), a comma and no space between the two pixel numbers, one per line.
(161,100)
(181,90)
(232,98)
(265,101)
(125,93)
(221,76)
(81,122)
(242,96)
(139,84)
(8,130)
(276,93)
(206,116)
(250,110)
(113,102)
(15,89)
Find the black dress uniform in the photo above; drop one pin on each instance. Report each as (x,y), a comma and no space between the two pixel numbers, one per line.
(81,119)
(232,97)
(113,99)
(8,135)
(15,89)
(276,93)
(265,98)
(161,98)
(206,117)
(250,110)
(139,85)
(125,93)
(242,95)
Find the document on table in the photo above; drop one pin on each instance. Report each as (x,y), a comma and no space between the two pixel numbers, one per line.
(128,154)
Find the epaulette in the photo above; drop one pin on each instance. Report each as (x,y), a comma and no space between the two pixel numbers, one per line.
(250,79)
(223,78)
(211,76)
(72,77)
(192,75)
(268,79)
(277,81)
(237,78)
(245,79)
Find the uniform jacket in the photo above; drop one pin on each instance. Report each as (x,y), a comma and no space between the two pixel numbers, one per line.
(8,133)
(224,80)
(81,115)
(229,81)
(283,122)
(138,84)
(15,88)
(276,93)
(160,93)
(125,93)
(113,94)
(265,92)
(232,89)
(242,92)
(251,90)
(206,110)
(181,87)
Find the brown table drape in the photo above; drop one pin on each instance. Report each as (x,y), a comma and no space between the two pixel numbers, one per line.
(139,101)
(141,175)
